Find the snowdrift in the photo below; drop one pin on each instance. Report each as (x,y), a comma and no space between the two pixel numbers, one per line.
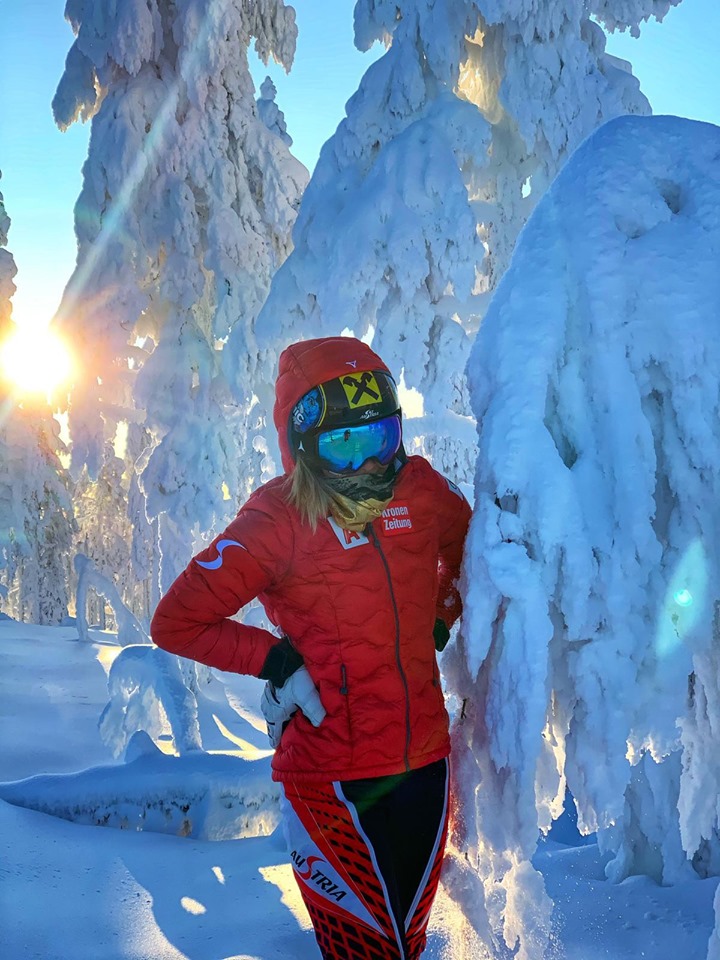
(201,796)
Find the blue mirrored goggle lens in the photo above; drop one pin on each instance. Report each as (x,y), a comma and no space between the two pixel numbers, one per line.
(347,448)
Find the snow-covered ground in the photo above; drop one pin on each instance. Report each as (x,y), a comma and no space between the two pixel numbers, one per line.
(71,890)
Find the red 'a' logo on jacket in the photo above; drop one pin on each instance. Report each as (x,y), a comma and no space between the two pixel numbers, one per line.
(348,538)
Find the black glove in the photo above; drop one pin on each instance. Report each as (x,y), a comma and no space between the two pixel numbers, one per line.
(281,663)
(441,635)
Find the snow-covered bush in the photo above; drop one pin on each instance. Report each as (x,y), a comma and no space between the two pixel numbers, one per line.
(149,693)
(589,648)
(129,630)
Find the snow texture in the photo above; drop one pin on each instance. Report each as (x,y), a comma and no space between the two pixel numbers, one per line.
(588,652)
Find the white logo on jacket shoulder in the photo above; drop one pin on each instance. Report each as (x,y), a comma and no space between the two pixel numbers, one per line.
(348,538)
(453,486)
(218,561)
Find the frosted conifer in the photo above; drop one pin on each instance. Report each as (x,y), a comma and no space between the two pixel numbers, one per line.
(186,209)
(8,506)
(36,517)
(7,271)
(414,207)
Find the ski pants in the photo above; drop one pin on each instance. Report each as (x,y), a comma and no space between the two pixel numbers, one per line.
(367,855)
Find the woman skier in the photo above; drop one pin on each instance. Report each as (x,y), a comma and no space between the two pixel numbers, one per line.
(354,553)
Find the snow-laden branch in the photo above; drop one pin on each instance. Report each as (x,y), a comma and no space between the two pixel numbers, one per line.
(629,14)
(129,628)
(148,692)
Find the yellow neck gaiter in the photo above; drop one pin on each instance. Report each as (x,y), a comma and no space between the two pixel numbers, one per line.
(355,515)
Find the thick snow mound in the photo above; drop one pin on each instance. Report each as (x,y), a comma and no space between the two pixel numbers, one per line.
(591,600)
(202,796)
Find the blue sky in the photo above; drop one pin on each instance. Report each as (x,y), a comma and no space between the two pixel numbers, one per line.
(677,63)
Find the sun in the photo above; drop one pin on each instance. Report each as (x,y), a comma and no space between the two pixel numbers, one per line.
(35,361)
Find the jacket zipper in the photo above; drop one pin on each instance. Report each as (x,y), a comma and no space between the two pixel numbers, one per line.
(403,677)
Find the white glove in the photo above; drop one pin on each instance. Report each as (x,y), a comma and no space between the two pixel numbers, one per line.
(280,703)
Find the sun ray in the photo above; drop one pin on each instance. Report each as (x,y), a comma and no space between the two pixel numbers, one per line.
(114,216)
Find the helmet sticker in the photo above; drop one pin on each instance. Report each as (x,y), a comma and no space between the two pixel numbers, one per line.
(361,389)
(309,411)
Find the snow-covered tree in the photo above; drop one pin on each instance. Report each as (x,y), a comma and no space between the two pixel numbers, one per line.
(588,657)
(144,557)
(7,497)
(7,271)
(36,517)
(186,209)
(35,498)
(105,534)
(416,202)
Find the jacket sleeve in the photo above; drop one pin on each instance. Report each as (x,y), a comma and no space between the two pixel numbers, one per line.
(454,518)
(192,621)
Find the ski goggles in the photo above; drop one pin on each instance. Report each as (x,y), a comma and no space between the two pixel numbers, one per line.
(345,449)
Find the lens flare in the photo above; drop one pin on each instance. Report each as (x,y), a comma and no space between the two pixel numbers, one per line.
(35,361)
(684,606)
(683,598)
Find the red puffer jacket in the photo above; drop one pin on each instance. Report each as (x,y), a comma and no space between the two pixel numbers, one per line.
(359,607)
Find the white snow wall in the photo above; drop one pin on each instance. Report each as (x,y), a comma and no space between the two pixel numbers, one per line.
(589,653)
